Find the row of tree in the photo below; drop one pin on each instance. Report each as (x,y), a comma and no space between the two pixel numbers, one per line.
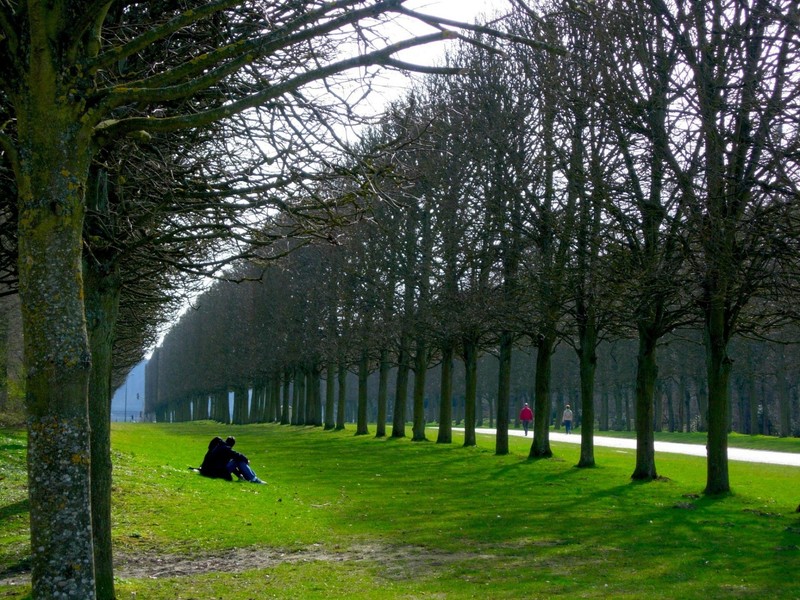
(639,182)
(142,147)
(765,393)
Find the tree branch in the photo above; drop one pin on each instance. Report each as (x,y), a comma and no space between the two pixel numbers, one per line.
(106,59)
(439,22)
(112,128)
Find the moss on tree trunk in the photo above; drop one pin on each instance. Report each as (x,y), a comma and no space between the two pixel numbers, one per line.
(53,174)
(102,303)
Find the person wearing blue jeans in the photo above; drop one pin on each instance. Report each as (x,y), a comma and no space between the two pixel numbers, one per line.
(567,418)
(223,462)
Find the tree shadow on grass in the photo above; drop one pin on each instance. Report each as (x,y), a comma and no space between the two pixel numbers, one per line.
(13,509)
(20,568)
(5,448)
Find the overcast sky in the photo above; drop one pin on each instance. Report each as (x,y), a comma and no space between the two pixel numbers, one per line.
(392,83)
(458,10)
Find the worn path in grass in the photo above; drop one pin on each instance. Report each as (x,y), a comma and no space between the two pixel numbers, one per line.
(741,454)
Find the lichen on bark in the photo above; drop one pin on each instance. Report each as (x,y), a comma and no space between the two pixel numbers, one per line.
(61,541)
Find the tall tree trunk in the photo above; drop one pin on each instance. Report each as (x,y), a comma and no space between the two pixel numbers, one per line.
(687,406)
(784,393)
(445,435)
(297,390)
(56,347)
(540,447)
(287,397)
(719,367)
(702,405)
(268,400)
(658,412)
(274,415)
(330,390)
(587,359)
(401,392)
(753,399)
(646,374)
(604,417)
(316,396)
(470,390)
(239,405)
(363,375)
(301,396)
(341,404)
(5,316)
(619,408)
(308,408)
(383,392)
(503,393)
(258,400)
(102,294)
(670,391)
(221,404)
(420,372)
(200,412)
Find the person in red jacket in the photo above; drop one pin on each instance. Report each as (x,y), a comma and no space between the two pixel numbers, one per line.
(526,416)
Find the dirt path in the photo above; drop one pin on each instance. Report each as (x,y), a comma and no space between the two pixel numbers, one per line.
(397,562)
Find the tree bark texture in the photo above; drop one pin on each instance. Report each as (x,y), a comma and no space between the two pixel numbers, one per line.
(445,434)
(587,358)
(383,392)
(330,390)
(51,183)
(401,392)
(540,446)
(363,375)
(102,293)
(646,374)
(57,361)
(719,367)
(240,407)
(503,393)
(470,390)
(341,396)
(420,370)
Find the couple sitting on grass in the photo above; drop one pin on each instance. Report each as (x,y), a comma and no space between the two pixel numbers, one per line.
(222,461)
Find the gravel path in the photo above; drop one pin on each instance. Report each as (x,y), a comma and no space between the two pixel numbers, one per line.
(740,454)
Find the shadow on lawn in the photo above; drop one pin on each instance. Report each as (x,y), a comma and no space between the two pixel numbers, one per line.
(13,509)
(6,448)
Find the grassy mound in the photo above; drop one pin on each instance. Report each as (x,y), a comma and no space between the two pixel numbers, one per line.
(357,517)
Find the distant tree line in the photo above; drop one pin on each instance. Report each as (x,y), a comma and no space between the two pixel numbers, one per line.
(633,188)
(765,384)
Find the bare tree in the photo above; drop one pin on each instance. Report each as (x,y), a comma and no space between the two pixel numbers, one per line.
(734,157)
(87,83)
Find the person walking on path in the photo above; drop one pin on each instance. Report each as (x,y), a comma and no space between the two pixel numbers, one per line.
(526,416)
(567,418)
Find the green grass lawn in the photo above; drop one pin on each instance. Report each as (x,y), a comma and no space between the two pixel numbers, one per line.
(358,517)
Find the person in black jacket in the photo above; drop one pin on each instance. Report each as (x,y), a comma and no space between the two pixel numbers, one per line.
(223,461)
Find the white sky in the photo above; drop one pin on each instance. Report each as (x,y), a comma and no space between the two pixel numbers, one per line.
(431,54)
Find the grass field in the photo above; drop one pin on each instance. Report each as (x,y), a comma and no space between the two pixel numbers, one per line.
(358,517)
